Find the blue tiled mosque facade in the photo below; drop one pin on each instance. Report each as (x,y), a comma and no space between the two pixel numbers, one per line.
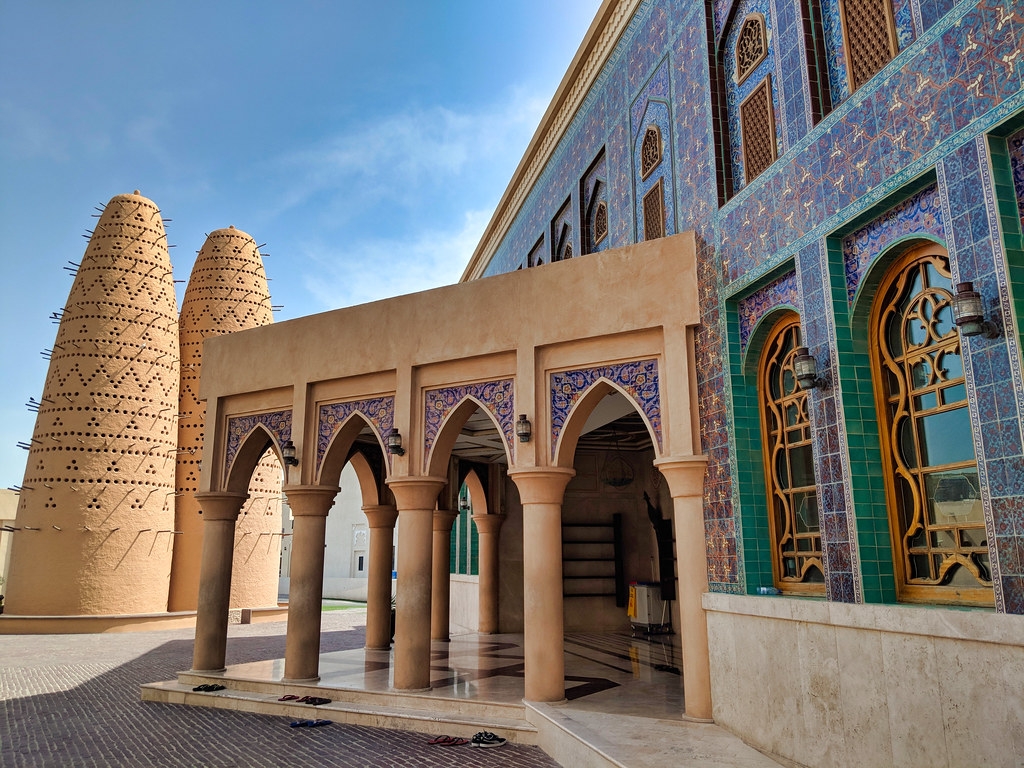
(929,149)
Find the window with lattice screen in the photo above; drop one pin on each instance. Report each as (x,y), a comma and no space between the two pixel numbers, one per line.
(751,46)
(757,125)
(650,151)
(600,222)
(654,213)
(869,34)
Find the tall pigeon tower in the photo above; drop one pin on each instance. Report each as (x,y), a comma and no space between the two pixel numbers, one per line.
(227,292)
(96,513)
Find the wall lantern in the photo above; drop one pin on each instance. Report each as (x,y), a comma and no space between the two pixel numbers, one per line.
(524,428)
(288,454)
(395,442)
(806,369)
(969,313)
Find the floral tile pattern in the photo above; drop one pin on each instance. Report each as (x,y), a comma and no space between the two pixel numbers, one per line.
(781,292)
(638,378)
(496,397)
(277,423)
(379,412)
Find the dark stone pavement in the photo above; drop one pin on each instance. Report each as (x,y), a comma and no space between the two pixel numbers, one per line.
(73,700)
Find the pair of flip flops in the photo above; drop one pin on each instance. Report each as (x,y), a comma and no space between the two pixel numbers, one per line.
(209,688)
(448,741)
(316,701)
(309,723)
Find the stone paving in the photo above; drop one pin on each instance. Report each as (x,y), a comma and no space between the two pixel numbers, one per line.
(73,700)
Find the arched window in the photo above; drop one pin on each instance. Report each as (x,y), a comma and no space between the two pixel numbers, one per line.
(869,37)
(934,499)
(751,46)
(757,128)
(564,249)
(600,227)
(789,465)
(650,151)
(654,212)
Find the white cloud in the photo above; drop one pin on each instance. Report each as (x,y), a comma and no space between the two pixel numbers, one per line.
(395,157)
(382,268)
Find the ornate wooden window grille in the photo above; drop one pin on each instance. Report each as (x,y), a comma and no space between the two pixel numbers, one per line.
(536,256)
(869,37)
(789,465)
(563,250)
(751,46)
(654,212)
(650,151)
(600,222)
(757,126)
(935,508)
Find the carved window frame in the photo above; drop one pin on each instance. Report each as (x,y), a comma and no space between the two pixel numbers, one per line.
(890,29)
(764,91)
(750,21)
(652,138)
(903,406)
(600,216)
(535,257)
(785,430)
(654,194)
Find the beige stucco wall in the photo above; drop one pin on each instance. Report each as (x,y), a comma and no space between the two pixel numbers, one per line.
(465,604)
(519,325)
(97,509)
(834,684)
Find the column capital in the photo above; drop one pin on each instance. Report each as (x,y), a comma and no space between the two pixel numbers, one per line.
(685,474)
(380,515)
(488,523)
(220,505)
(443,519)
(416,492)
(541,485)
(311,500)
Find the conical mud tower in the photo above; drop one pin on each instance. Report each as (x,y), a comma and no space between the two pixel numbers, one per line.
(227,292)
(97,507)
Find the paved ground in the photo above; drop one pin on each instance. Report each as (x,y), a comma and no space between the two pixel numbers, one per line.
(73,700)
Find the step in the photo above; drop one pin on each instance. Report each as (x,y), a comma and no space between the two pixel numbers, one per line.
(418,713)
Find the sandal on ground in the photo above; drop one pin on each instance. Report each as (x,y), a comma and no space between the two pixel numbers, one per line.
(441,740)
(289,697)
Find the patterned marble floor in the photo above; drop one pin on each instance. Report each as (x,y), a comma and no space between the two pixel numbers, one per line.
(624,695)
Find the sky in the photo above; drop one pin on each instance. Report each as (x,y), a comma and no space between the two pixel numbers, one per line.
(366,143)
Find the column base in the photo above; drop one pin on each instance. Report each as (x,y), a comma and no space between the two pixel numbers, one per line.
(412,690)
(208,671)
(296,680)
(378,647)
(690,719)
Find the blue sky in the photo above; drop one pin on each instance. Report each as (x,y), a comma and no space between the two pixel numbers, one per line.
(366,143)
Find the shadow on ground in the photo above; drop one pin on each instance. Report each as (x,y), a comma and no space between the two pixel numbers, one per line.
(78,703)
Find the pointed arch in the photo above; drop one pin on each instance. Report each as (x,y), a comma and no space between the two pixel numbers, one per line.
(439,450)
(759,333)
(496,398)
(247,455)
(369,485)
(477,492)
(337,448)
(638,380)
(564,443)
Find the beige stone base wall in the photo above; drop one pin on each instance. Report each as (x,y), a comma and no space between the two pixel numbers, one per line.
(831,684)
(465,604)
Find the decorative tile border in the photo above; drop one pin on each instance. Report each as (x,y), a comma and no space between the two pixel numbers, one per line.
(497,397)
(638,378)
(378,411)
(920,213)
(277,423)
(1015,144)
(781,292)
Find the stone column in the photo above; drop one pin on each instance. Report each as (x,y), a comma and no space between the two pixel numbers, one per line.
(541,491)
(309,505)
(220,511)
(685,476)
(381,519)
(415,498)
(440,589)
(487,526)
